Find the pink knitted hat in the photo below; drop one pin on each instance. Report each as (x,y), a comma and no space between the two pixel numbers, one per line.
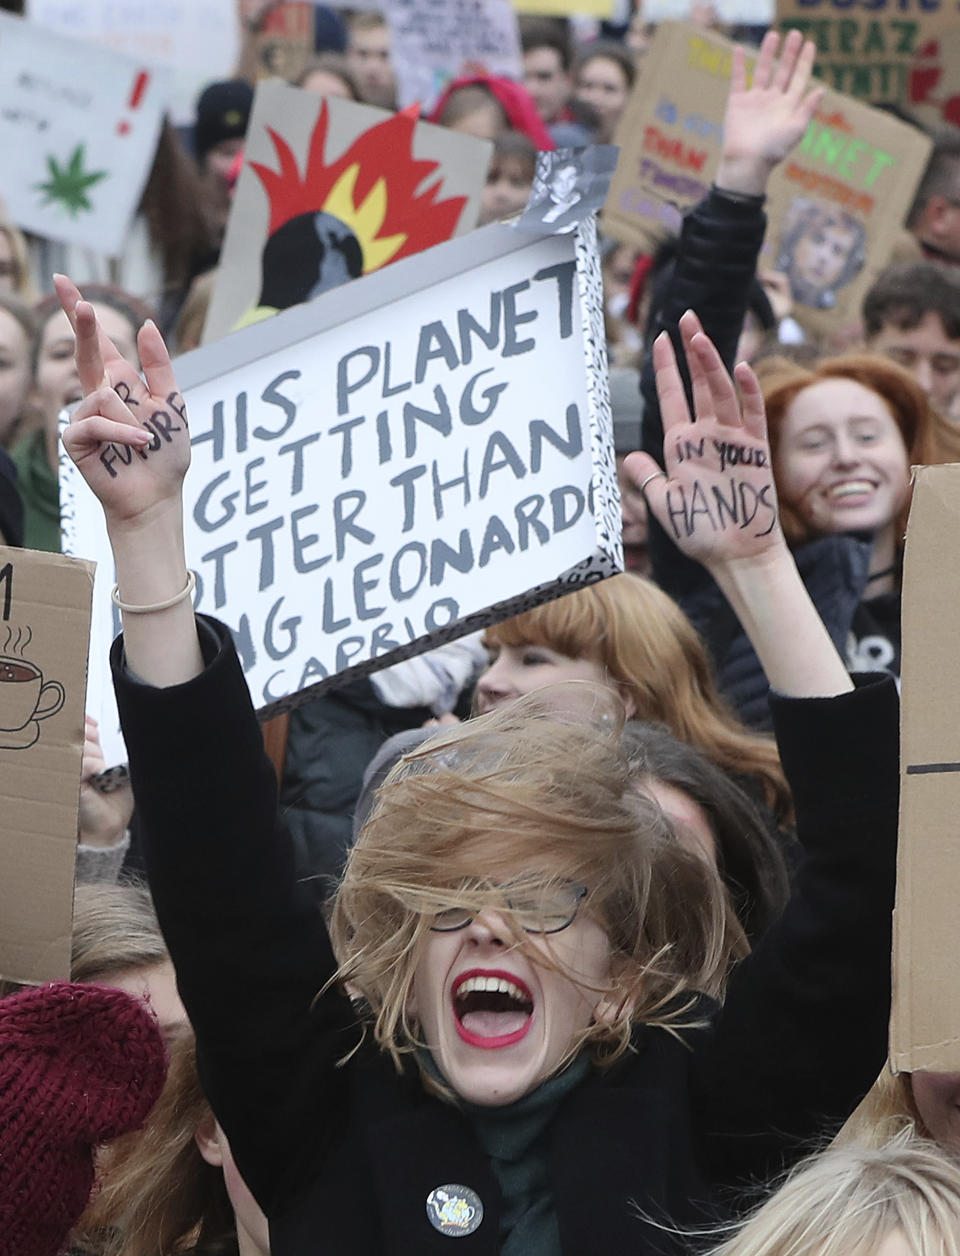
(79,1065)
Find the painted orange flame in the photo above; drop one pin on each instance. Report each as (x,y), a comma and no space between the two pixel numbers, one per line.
(372,188)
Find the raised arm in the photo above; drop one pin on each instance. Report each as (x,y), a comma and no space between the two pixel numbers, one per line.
(802,1032)
(721,238)
(247,938)
(718,504)
(130,441)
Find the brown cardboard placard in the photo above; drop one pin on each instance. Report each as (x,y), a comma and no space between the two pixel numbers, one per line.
(835,206)
(331,189)
(925,1025)
(44,630)
(867,53)
(285,41)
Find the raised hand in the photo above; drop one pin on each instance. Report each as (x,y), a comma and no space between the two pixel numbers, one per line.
(104,813)
(716,498)
(129,435)
(765,121)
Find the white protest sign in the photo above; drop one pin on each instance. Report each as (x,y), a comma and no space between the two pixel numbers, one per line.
(197,41)
(78,130)
(728,12)
(397,463)
(435,41)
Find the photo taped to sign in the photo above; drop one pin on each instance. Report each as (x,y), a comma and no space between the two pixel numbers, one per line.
(835,206)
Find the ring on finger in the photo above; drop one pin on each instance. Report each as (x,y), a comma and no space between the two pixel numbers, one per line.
(653,475)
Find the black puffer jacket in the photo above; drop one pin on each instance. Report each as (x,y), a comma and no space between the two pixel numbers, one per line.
(330,743)
(712,274)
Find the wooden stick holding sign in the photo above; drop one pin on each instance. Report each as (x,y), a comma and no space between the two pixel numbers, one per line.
(44,631)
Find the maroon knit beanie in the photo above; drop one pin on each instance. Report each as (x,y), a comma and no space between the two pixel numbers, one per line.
(79,1065)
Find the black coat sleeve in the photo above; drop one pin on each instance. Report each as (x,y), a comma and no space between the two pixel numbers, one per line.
(712,274)
(248,940)
(803,1032)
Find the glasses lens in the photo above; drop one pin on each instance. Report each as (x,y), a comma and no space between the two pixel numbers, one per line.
(554,910)
(451,918)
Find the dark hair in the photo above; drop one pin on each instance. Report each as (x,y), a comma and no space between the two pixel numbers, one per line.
(363,19)
(135,311)
(333,63)
(18,309)
(469,99)
(609,51)
(942,175)
(543,33)
(515,144)
(749,859)
(171,206)
(904,295)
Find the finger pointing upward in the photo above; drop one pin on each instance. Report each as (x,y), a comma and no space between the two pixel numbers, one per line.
(155,360)
(97,356)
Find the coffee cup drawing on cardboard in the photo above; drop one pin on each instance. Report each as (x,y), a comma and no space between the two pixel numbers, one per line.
(25,698)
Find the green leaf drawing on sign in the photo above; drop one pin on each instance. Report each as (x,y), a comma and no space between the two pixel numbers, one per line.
(68,185)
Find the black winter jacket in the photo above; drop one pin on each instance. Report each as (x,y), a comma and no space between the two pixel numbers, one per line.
(331,741)
(342,1158)
(714,267)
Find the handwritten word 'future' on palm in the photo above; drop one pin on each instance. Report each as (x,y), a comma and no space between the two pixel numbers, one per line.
(737,503)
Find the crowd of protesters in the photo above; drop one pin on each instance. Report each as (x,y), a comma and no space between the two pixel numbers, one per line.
(572,937)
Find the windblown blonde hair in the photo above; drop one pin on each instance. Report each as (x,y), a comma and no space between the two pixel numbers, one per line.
(887,1109)
(651,651)
(846,1202)
(536,792)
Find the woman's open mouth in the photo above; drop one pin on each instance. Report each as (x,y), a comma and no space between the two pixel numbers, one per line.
(491,1008)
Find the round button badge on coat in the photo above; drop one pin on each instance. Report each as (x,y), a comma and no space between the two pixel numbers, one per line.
(454,1210)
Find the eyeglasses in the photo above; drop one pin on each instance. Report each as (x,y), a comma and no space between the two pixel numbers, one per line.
(552,911)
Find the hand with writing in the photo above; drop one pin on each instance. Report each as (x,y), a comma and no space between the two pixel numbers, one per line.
(766,120)
(130,441)
(717,499)
(129,435)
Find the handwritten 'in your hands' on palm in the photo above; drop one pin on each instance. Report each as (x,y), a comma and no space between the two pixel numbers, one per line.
(717,498)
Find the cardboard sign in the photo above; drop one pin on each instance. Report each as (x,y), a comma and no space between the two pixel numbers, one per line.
(44,632)
(77,143)
(867,52)
(834,207)
(196,41)
(435,41)
(925,1027)
(331,190)
(285,42)
(400,462)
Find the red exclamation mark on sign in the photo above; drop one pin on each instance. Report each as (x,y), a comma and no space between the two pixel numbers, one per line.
(136,96)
